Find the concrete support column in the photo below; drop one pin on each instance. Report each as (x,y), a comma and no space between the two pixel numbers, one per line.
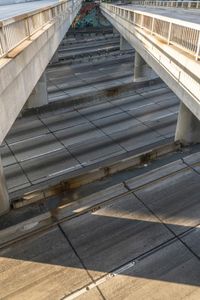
(55,58)
(4,198)
(188,127)
(39,96)
(142,71)
(115,32)
(139,68)
(124,45)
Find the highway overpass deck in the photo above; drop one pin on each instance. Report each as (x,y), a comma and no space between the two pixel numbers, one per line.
(192,15)
(14,10)
(167,42)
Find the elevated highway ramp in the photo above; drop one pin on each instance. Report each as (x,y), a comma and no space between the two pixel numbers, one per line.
(168,41)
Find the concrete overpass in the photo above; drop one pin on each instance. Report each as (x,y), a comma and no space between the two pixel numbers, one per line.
(167,39)
(29,36)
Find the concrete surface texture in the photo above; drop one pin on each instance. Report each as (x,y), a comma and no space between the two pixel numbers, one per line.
(141,243)
(48,145)
(64,83)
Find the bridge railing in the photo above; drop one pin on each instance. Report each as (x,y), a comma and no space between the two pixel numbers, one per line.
(175,4)
(183,35)
(14,31)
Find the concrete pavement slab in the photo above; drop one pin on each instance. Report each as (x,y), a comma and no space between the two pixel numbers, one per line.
(165,126)
(192,240)
(171,272)
(15,177)
(65,120)
(149,112)
(107,84)
(119,232)
(116,122)
(7,156)
(132,102)
(136,137)
(175,200)
(99,111)
(95,150)
(25,128)
(192,158)
(155,174)
(36,147)
(78,134)
(50,165)
(41,267)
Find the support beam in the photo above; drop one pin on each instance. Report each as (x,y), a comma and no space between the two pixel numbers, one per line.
(124,45)
(39,96)
(4,198)
(188,127)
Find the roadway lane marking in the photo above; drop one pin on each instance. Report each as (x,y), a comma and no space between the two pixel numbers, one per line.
(64,171)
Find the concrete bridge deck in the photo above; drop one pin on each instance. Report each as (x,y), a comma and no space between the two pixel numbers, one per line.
(192,15)
(14,10)
(167,42)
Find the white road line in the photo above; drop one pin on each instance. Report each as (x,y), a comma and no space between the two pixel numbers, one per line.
(42,154)
(163,116)
(64,171)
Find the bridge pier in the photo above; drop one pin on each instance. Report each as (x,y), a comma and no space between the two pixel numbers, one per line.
(124,45)
(115,32)
(188,127)
(39,96)
(142,71)
(55,58)
(4,197)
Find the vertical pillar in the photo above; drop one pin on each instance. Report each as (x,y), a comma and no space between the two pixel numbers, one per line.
(188,127)
(39,96)
(115,32)
(4,198)
(124,45)
(142,71)
(55,58)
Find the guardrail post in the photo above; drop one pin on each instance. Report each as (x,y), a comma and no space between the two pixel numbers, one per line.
(5,42)
(198,48)
(169,33)
(27,27)
(4,198)
(152,26)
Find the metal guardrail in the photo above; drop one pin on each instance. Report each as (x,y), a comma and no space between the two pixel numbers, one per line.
(14,31)
(174,4)
(183,35)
